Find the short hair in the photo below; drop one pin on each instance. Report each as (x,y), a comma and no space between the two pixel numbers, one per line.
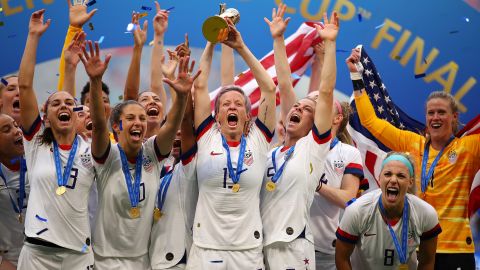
(453,104)
(86,90)
(2,86)
(229,88)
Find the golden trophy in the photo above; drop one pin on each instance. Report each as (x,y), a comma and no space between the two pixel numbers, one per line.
(212,26)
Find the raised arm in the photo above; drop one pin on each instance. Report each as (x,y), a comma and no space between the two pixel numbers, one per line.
(71,61)
(188,134)
(182,86)
(323,111)
(317,66)
(202,99)
(277,28)
(160,25)
(78,16)
(95,69)
(28,101)
(227,66)
(132,84)
(266,110)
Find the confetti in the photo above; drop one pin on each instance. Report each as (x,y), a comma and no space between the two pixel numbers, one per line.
(42,231)
(295,76)
(91,3)
(418,76)
(40,218)
(398,57)
(340,50)
(4,82)
(57,74)
(359,17)
(454,32)
(311,168)
(145,8)
(1,9)
(350,202)
(380,26)
(130,27)
(467,19)
(101,40)
(170,8)
(84,248)
(91,26)
(425,60)
(78,109)
(141,15)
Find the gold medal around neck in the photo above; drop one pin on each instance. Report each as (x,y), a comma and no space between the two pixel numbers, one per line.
(61,190)
(134,212)
(403,266)
(235,188)
(157,214)
(270,186)
(20,218)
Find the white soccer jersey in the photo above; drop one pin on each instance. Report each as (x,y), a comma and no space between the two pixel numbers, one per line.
(11,237)
(286,210)
(362,224)
(171,235)
(324,215)
(116,233)
(59,219)
(226,220)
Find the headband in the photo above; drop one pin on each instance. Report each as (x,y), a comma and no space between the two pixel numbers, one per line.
(397,157)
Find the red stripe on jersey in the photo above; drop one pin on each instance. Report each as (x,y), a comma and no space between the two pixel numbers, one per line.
(205,126)
(346,237)
(28,134)
(189,155)
(268,135)
(431,233)
(321,138)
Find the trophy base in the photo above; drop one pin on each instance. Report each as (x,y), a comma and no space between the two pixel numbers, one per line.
(212,26)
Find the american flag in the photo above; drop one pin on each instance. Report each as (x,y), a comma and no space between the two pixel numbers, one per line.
(372,150)
(300,54)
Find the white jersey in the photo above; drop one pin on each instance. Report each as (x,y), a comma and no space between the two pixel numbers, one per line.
(226,220)
(11,236)
(171,235)
(58,219)
(116,233)
(324,215)
(362,224)
(286,209)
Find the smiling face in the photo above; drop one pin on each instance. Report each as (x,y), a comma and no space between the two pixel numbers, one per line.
(59,112)
(395,180)
(106,103)
(232,114)
(10,99)
(153,106)
(132,125)
(440,118)
(84,123)
(11,141)
(299,120)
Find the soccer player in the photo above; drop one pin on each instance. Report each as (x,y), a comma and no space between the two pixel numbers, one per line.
(9,97)
(14,189)
(386,226)
(294,168)
(232,148)
(447,165)
(60,173)
(128,172)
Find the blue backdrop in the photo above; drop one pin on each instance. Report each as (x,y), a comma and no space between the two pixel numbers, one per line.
(435,38)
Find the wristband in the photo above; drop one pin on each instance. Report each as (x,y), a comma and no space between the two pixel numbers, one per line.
(356,76)
(358,85)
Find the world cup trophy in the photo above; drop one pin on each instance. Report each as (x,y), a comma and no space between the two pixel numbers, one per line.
(213,25)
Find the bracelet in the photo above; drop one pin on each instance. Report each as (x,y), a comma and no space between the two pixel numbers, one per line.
(358,85)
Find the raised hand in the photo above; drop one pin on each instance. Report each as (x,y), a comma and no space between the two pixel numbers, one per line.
(352,61)
(184,81)
(329,29)
(74,49)
(183,49)
(94,66)
(77,13)
(278,25)
(168,69)
(36,26)
(160,21)
(319,50)
(234,39)
(139,34)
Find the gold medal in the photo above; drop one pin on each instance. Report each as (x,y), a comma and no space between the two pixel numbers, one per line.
(236,188)
(20,218)
(61,190)
(157,214)
(134,212)
(270,186)
(403,266)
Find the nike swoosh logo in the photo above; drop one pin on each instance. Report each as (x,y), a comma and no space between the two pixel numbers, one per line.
(215,154)
(369,234)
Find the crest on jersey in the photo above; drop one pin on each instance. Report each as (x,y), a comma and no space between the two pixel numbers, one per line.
(411,238)
(452,156)
(147,164)
(338,165)
(248,159)
(86,159)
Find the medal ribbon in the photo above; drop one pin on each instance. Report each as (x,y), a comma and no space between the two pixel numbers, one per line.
(235,175)
(427,176)
(132,188)
(62,180)
(162,192)
(333,143)
(402,251)
(21,191)
(278,173)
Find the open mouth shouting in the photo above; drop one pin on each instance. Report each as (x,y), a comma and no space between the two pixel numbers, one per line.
(136,134)
(64,117)
(392,193)
(89,125)
(16,105)
(436,125)
(232,119)
(294,118)
(18,142)
(153,111)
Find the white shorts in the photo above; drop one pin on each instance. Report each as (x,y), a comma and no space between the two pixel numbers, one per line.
(11,255)
(39,257)
(325,261)
(298,254)
(108,263)
(212,259)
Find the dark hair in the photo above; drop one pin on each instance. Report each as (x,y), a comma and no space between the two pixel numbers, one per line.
(47,136)
(86,90)
(230,88)
(342,132)
(118,110)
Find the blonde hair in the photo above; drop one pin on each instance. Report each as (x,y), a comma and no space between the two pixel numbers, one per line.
(453,105)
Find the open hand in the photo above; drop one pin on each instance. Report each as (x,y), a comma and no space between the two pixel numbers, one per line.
(329,29)
(78,15)
(278,25)
(36,26)
(160,21)
(139,34)
(74,49)
(168,69)
(184,81)
(94,66)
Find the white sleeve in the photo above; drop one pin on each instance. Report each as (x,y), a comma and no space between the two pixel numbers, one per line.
(349,229)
